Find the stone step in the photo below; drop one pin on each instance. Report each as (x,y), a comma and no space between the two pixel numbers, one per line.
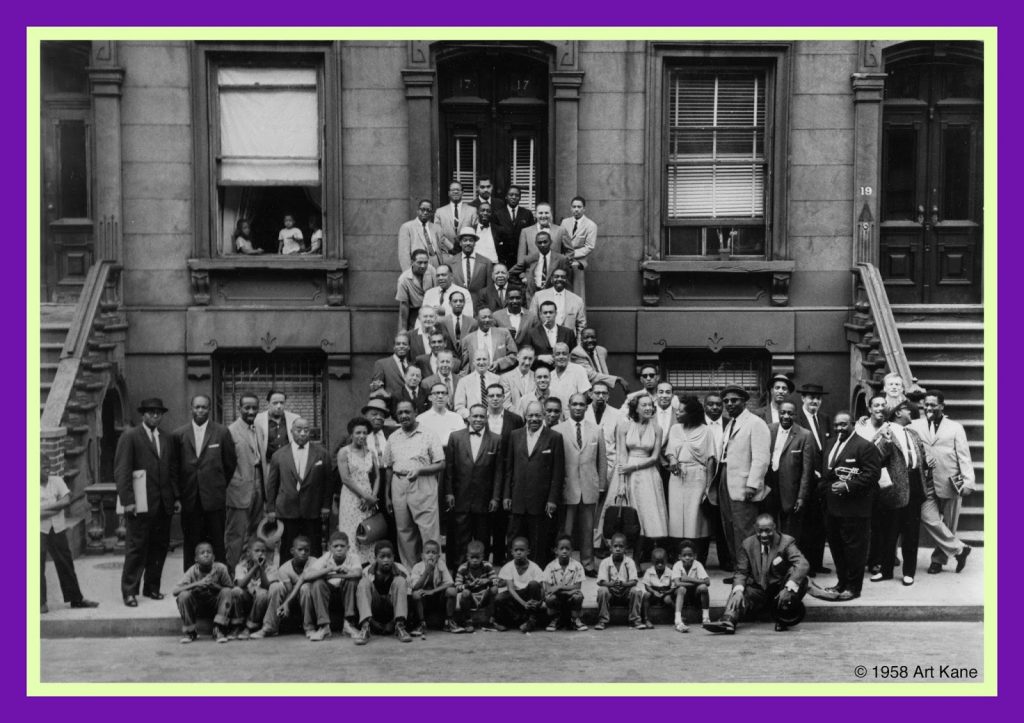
(927,351)
(952,333)
(949,369)
(974,538)
(938,313)
(971,518)
(53,333)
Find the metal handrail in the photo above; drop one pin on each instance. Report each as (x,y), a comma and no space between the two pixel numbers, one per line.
(885,324)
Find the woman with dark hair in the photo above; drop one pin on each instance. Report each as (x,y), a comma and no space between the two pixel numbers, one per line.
(360,478)
(638,441)
(690,452)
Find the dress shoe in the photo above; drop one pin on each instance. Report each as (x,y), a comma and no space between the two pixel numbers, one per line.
(722,627)
(846,595)
(780,628)
(875,569)
(908,580)
(131,601)
(83,603)
(961,559)
(727,581)
(154,595)
(823,593)
(935,568)
(879,577)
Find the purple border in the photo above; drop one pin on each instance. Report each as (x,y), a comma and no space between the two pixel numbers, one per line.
(405,12)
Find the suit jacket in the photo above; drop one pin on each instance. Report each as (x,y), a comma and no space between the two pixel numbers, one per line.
(420,402)
(864,456)
(575,312)
(950,452)
(529,267)
(512,228)
(528,319)
(474,481)
(533,480)
(489,297)
(785,563)
(579,245)
(289,499)
(748,455)
(468,326)
(444,218)
(510,422)
(528,241)
(247,481)
(467,392)
(416,347)
(410,238)
(517,386)
(824,432)
(433,379)
(609,424)
(423,362)
(390,372)
(262,433)
(586,467)
(480,279)
(765,413)
(578,355)
(504,348)
(796,465)
(202,473)
(135,452)
(538,339)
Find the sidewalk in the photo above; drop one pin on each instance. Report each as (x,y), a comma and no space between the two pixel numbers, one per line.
(946,597)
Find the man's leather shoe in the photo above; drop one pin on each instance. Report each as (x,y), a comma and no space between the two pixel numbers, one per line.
(154,595)
(823,593)
(83,603)
(934,569)
(131,601)
(961,559)
(727,581)
(780,628)
(846,595)
(723,627)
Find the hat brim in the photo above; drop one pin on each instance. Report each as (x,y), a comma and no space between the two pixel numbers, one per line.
(805,390)
(143,410)
(271,539)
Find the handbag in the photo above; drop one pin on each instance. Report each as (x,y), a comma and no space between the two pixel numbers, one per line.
(373,528)
(622,518)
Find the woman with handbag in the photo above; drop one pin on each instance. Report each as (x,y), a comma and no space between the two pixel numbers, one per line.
(360,477)
(638,443)
(690,450)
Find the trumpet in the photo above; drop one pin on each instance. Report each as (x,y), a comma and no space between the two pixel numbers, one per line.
(845,474)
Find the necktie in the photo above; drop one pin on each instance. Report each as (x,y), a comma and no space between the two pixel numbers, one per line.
(814,428)
(405,368)
(483,388)
(443,292)
(426,237)
(574,225)
(458,328)
(467,258)
(579,436)
(835,453)
(155,439)
(455,206)
(764,565)
(544,273)
(448,383)
(501,296)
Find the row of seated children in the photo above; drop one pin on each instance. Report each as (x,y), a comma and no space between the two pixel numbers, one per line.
(375,600)
(289,239)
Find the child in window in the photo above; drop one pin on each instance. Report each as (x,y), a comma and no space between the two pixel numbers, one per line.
(289,240)
(241,239)
(316,236)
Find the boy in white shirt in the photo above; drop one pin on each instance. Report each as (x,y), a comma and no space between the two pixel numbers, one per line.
(617,582)
(521,597)
(289,240)
(54,498)
(563,587)
(657,585)
(331,579)
(428,588)
(691,581)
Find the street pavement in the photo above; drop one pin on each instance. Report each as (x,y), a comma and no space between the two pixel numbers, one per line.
(811,652)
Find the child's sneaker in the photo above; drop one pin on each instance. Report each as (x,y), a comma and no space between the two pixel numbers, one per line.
(600,626)
(468,628)
(321,633)
(262,633)
(552,626)
(648,624)
(419,631)
(235,632)
(493,626)
(579,625)
(244,634)
(681,627)
(363,636)
(402,634)
(450,626)
(219,635)
(349,629)
(190,637)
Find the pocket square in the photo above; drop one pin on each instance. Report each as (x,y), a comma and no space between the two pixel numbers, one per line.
(850,459)
(777,560)
(546,451)
(213,446)
(796,451)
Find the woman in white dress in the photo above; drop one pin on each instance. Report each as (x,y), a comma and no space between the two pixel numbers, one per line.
(690,452)
(638,440)
(359,480)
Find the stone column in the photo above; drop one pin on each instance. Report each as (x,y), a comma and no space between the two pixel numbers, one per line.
(419,93)
(105,80)
(867,144)
(566,113)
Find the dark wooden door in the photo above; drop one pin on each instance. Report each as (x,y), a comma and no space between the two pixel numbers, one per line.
(931,206)
(494,123)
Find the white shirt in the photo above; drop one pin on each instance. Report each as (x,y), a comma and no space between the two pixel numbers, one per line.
(715,425)
(433,298)
(198,431)
(376,441)
(811,425)
(774,411)
(441,424)
(552,335)
(909,453)
(496,422)
(485,244)
(300,455)
(531,439)
(665,418)
(474,442)
(572,381)
(780,441)
(515,321)
(484,340)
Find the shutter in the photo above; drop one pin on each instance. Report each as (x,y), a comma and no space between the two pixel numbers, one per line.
(466,164)
(269,126)
(524,170)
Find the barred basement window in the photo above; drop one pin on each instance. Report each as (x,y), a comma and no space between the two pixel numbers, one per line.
(702,372)
(300,375)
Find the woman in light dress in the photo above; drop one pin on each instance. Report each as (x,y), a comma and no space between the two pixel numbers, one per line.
(638,441)
(690,452)
(360,477)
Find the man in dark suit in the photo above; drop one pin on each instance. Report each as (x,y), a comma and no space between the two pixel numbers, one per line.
(791,471)
(145,449)
(445,375)
(428,362)
(770,571)
(458,325)
(780,388)
(495,295)
(850,476)
(512,219)
(502,422)
(427,323)
(299,490)
(514,317)
(815,421)
(472,482)
(389,373)
(412,391)
(543,337)
(484,189)
(534,474)
(534,272)
(202,462)
(469,269)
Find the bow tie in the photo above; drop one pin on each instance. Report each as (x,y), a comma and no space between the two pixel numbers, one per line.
(301,446)
(477,434)
(485,225)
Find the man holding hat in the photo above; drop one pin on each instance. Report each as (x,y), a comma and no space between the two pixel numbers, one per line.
(770,572)
(470,269)
(142,462)
(815,421)
(781,387)
(746,453)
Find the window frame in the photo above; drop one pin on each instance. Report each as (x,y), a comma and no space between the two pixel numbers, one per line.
(207,57)
(772,58)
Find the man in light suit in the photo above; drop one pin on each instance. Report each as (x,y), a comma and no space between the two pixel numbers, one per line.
(512,219)
(472,387)
(528,236)
(770,572)
(535,271)
(422,233)
(519,382)
(534,474)
(389,372)
(570,311)
(202,461)
(299,490)
(147,534)
(454,215)
(472,483)
(514,317)
(479,266)
(746,454)
(245,490)
(594,359)
(496,342)
(791,471)
(439,295)
(586,477)
(945,441)
(273,428)
(578,241)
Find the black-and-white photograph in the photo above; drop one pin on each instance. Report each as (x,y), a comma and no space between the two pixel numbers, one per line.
(512,360)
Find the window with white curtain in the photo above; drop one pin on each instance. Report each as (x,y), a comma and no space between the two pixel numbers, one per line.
(717,122)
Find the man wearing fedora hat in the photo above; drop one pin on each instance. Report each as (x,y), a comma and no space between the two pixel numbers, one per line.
(814,420)
(472,269)
(781,387)
(143,455)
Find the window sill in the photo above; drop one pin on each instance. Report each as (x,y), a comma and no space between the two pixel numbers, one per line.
(333,269)
(781,272)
